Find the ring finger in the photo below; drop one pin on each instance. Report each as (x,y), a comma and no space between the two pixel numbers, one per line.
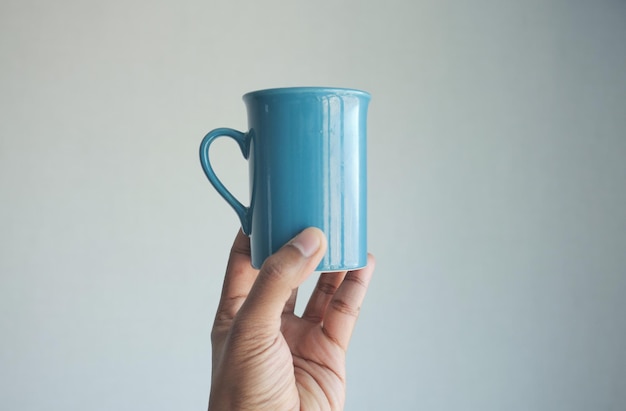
(324,290)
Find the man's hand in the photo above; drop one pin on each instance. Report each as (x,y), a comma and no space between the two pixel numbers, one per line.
(264,356)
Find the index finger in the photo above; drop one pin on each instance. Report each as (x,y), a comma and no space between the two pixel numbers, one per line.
(240,275)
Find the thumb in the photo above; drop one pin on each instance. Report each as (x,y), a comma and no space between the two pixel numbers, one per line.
(280,274)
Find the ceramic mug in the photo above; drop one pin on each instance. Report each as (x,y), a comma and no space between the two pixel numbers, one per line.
(306,152)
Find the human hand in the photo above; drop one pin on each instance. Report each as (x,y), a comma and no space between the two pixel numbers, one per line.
(264,356)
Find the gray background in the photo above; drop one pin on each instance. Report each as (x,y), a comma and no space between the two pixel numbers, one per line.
(497,147)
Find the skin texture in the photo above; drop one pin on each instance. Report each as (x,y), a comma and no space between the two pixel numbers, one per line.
(264,356)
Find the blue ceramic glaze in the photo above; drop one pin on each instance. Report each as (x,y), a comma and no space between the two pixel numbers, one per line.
(306,149)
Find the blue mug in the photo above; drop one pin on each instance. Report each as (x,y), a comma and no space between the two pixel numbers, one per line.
(306,151)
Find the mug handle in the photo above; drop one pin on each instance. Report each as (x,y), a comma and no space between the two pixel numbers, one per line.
(243,140)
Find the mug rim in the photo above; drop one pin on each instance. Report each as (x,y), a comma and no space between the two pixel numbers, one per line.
(305,89)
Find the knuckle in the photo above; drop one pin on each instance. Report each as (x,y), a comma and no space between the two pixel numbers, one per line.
(345,308)
(228,308)
(355,279)
(219,332)
(314,318)
(327,288)
(274,267)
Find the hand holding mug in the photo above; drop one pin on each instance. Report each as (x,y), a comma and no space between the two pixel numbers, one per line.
(264,356)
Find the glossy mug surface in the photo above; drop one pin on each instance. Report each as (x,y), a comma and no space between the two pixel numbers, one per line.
(306,151)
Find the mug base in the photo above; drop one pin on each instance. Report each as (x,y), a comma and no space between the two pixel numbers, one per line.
(338,269)
(329,270)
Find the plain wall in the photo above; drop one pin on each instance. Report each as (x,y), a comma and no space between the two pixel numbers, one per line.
(497,195)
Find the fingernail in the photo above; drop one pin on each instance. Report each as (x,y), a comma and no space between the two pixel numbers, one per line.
(308,242)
